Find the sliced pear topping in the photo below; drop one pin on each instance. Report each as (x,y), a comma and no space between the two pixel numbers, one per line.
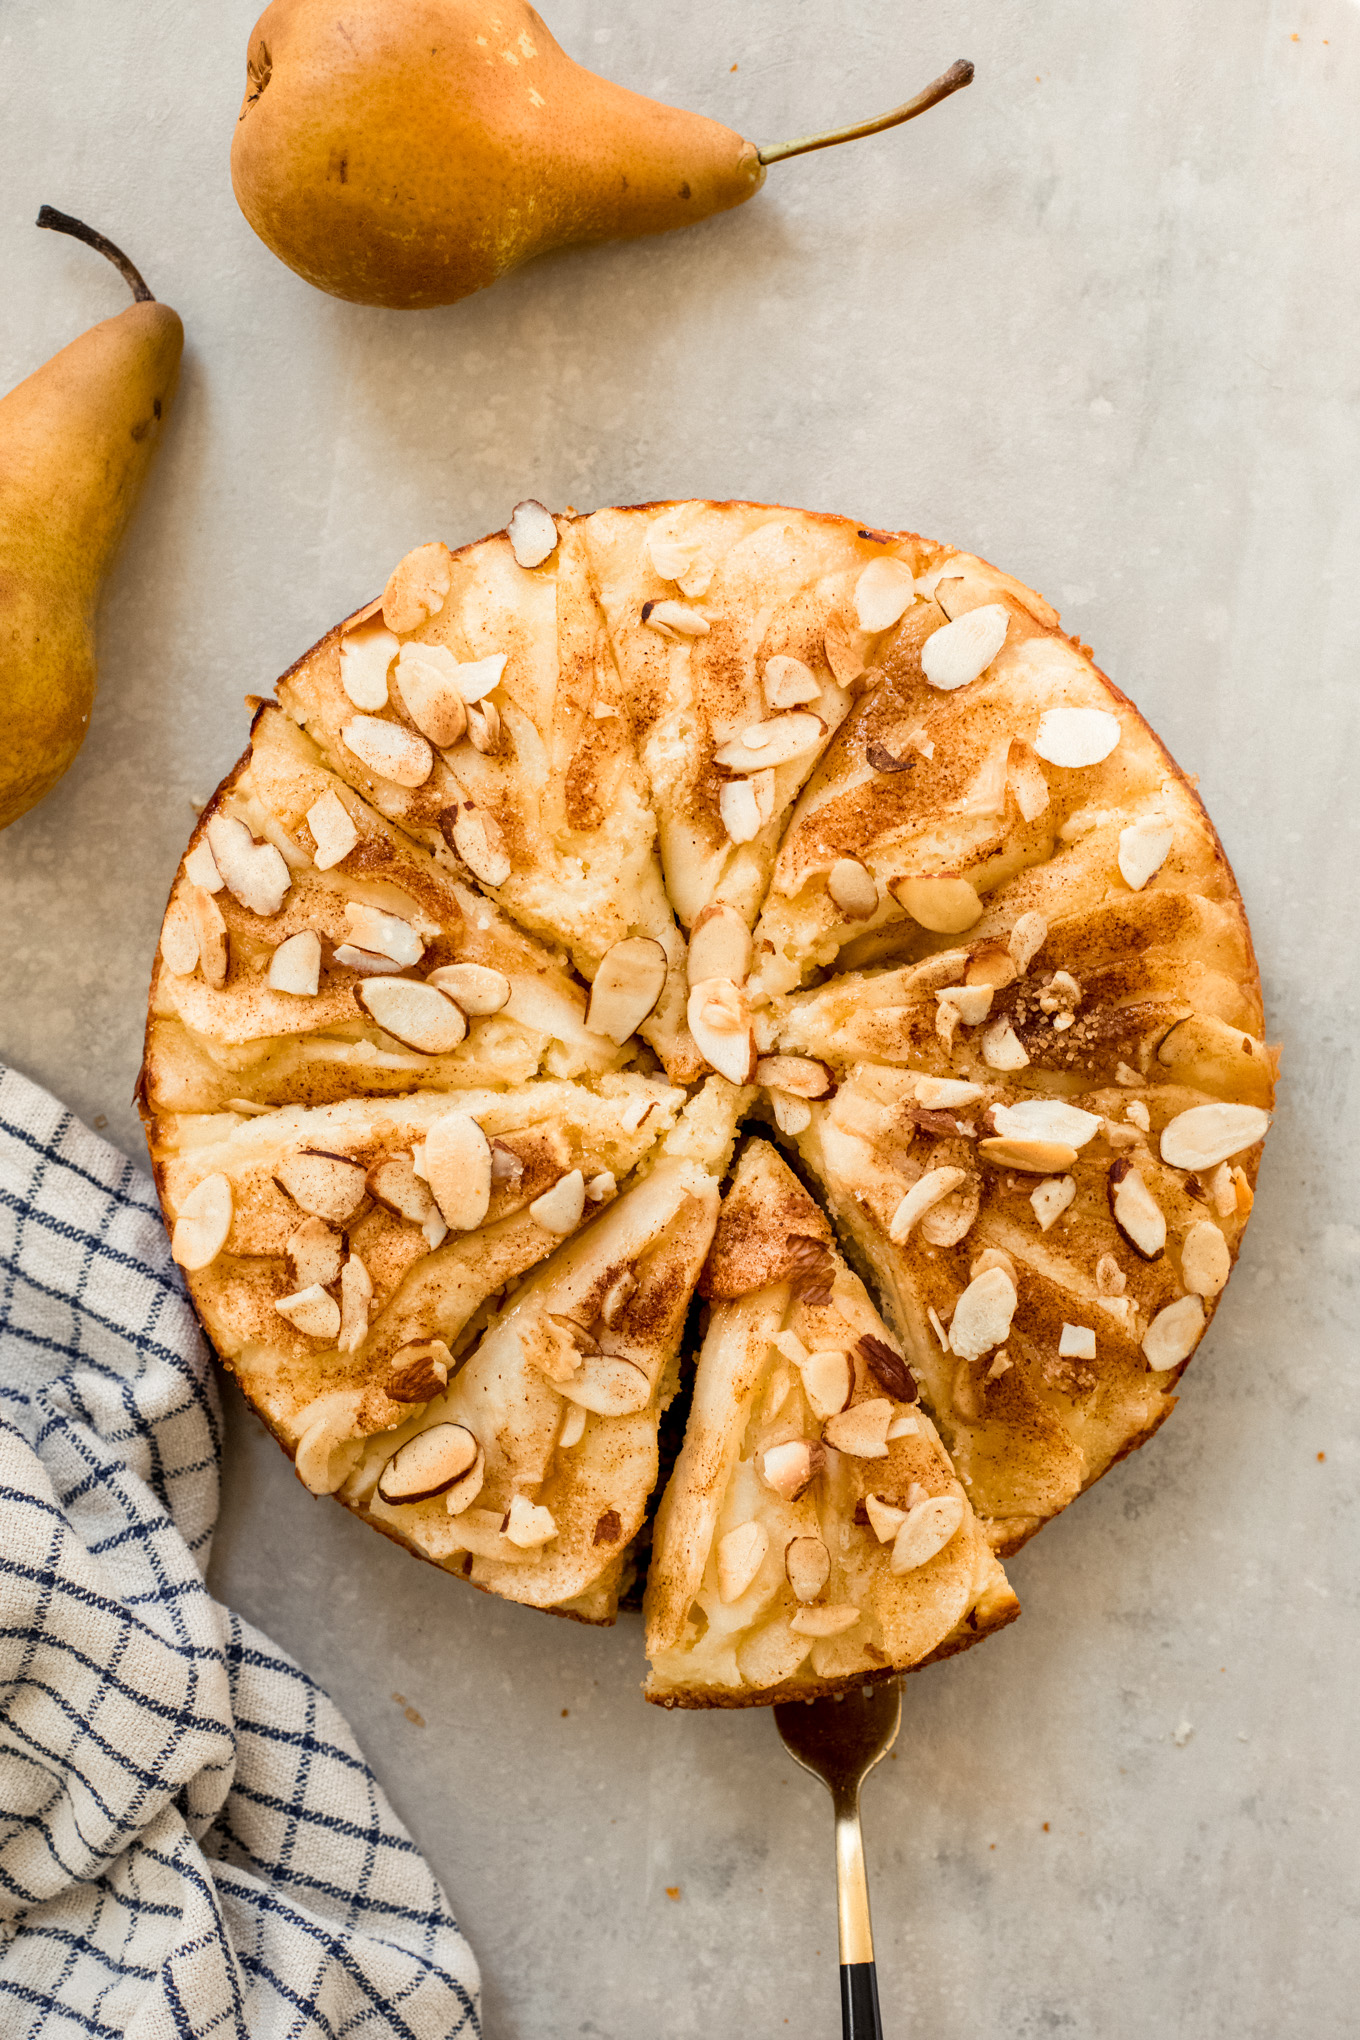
(674,620)
(418,587)
(927,1529)
(311,1311)
(532,532)
(1206,1262)
(940,901)
(202,1224)
(329,1186)
(295,965)
(427,683)
(962,650)
(768,744)
(803,1075)
(719,946)
(366,653)
(861,1430)
(480,844)
(253,873)
(333,830)
(789,683)
(457,1163)
(475,986)
(1135,1210)
(926,1191)
(419,1016)
(1174,1333)
(1077,736)
(982,1315)
(628,983)
(791,1467)
(313,1253)
(1209,1134)
(179,940)
(827,1382)
(719,1018)
(853,888)
(741,1553)
(824,1621)
(608,1385)
(388,749)
(210,932)
(559,1210)
(428,1464)
(200,867)
(807,1566)
(528,1524)
(884,592)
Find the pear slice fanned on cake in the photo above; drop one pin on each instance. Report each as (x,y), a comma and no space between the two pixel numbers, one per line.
(483,714)
(330,955)
(813,1534)
(324,1246)
(562,1395)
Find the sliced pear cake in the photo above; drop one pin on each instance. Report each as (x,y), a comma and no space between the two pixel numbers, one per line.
(544,872)
(813,1534)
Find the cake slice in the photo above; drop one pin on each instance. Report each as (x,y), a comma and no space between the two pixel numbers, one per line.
(813,1534)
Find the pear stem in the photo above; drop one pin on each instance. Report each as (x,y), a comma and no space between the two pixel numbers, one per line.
(954,78)
(62,223)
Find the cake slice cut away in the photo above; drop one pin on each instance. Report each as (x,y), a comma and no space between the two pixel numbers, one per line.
(813,1534)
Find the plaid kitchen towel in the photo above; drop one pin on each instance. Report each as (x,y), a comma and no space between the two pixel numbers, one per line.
(190,1840)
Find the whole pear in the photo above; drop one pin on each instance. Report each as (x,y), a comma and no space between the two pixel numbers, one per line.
(408,152)
(76,440)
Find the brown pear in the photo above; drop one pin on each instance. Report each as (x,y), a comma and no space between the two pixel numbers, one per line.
(408,152)
(76,440)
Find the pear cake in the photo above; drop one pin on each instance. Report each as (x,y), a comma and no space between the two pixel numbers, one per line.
(719,951)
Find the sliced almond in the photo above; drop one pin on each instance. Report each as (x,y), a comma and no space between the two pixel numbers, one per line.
(1027,938)
(928,1527)
(253,873)
(179,940)
(210,932)
(1206,1262)
(719,946)
(947,1094)
(972,1003)
(314,1252)
(328,1186)
(672,558)
(1031,1157)
(1144,847)
(200,867)
(927,1190)
(573,1427)
(419,1016)
(467,1487)
(824,1621)
(388,750)
(846,649)
(1110,1277)
(884,593)
(457,1167)
(475,987)
(982,1315)
(885,1519)
(608,1385)
(762,786)
(1135,1210)
(630,979)
(528,1524)
(327,1447)
(419,1372)
(962,650)
(1002,1048)
(803,1075)
(418,587)
(366,653)
(1077,1342)
(789,683)
(768,744)
(356,1297)
(532,532)
(480,844)
(790,1468)
(1046,1119)
(739,810)
(1209,1134)
(559,1210)
(617,1295)
(741,1553)
(1051,1198)
(484,728)
(827,1382)
(426,681)
(311,1311)
(1075,737)
(674,619)
(940,901)
(1174,1333)
(477,677)
(1025,777)
(862,1430)
(362,960)
(807,1566)
(719,1018)
(295,966)
(791,1115)
(949,1221)
(333,831)
(428,1464)
(202,1224)
(380,934)
(853,888)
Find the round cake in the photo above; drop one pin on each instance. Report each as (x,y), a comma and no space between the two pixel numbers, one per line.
(717,960)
